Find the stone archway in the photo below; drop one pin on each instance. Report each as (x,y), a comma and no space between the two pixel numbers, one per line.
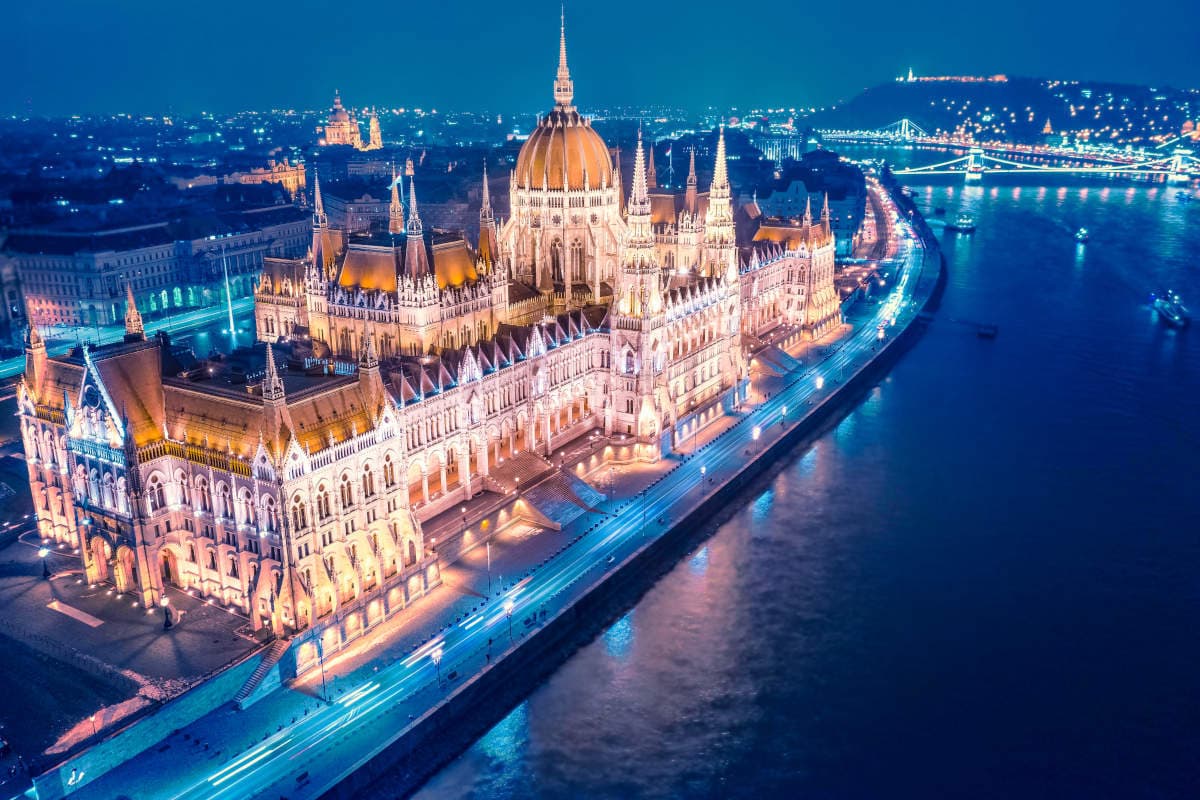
(169,568)
(101,553)
(125,570)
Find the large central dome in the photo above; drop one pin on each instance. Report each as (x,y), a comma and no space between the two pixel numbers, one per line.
(564,152)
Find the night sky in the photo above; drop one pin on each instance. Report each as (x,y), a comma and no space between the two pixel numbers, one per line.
(143,56)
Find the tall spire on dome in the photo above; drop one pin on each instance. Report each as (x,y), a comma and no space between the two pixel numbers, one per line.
(134,330)
(564,89)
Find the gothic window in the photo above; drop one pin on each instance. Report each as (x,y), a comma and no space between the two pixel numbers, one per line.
(204,496)
(389,472)
(233,569)
(270,517)
(323,502)
(158,498)
(556,260)
(629,362)
(94,486)
(246,517)
(368,482)
(184,494)
(299,515)
(109,498)
(347,492)
(226,507)
(577,261)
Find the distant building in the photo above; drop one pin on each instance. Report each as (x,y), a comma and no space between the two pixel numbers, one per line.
(845,214)
(80,278)
(290,176)
(342,129)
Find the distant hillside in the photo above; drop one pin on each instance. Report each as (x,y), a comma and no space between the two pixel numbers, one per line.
(1018,109)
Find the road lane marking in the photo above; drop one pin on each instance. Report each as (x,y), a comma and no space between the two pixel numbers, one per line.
(75,613)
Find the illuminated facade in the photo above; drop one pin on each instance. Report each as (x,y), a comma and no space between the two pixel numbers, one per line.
(342,128)
(407,371)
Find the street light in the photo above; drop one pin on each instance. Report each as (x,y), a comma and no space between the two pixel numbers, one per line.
(509,604)
(436,655)
(754,435)
(783,416)
(463,510)
(93,719)
(45,555)
(166,607)
(820,382)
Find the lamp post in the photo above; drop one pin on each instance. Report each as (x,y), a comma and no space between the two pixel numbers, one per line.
(436,655)
(45,555)
(166,607)
(508,609)
(489,566)
(783,416)
(463,511)
(93,719)
(754,435)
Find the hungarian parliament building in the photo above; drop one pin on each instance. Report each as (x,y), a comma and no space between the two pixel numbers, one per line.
(403,372)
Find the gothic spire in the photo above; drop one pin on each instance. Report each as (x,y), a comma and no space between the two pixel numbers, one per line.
(651,172)
(320,220)
(639,201)
(272,384)
(691,178)
(395,208)
(564,89)
(720,173)
(414,219)
(134,330)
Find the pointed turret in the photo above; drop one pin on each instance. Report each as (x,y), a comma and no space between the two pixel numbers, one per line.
(487,224)
(825,223)
(564,89)
(690,196)
(35,355)
(395,207)
(272,384)
(375,140)
(720,171)
(416,261)
(134,330)
(651,172)
(807,214)
(640,290)
(319,218)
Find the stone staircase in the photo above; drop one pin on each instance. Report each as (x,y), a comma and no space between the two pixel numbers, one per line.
(563,498)
(776,360)
(270,658)
(525,469)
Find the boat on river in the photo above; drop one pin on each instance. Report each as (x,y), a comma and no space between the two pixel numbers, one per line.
(1171,309)
(963,223)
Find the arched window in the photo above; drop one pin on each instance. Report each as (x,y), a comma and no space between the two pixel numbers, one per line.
(185,497)
(204,496)
(233,570)
(154,490)
(577,261)
(556,260)
(270,515)
(629,363)
(323,503)
(246,513)
(299,515)
(410,555)
(347,492)
(389,472)
(368,482)
(225,509)
(94,486)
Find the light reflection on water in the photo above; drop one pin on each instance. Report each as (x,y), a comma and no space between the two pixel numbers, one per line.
(982,584)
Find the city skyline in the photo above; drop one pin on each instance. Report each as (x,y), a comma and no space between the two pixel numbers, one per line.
(129,58)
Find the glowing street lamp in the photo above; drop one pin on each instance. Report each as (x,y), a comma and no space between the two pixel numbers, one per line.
(436,655)
(820,382)
(509,604)
(757,432)
(166,607)
(45,555)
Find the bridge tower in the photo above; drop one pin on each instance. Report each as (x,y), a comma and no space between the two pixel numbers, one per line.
(974,171)
(1179,173)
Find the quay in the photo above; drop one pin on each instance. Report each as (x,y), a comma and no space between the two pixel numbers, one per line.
(381,720)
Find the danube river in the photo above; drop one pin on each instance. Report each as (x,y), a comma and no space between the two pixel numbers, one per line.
(982,583)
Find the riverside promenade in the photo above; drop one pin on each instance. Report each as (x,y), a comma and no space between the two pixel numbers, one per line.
(390,711)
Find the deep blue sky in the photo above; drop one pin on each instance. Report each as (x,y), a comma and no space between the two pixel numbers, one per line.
(67,56)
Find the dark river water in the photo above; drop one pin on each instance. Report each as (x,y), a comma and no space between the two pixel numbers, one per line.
(983,583)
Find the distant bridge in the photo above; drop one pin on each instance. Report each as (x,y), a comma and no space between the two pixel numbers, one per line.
(1181,166)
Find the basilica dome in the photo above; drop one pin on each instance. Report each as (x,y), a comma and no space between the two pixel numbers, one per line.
(561,151)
